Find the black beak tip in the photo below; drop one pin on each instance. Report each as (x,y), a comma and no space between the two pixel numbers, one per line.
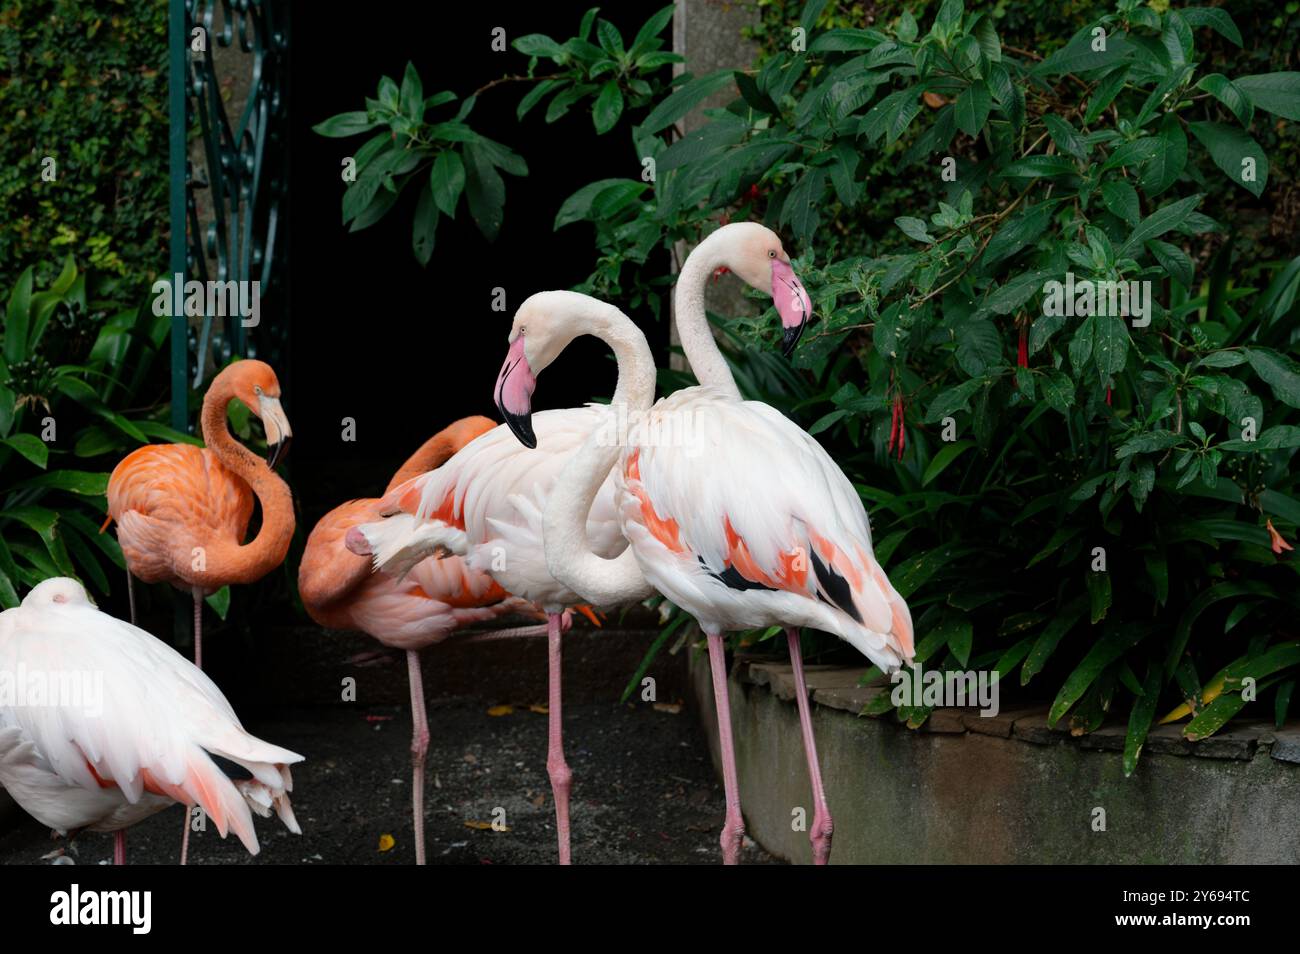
(790,338)
(521,425)
(277,452)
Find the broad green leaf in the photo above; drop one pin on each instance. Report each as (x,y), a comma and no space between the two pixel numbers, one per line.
(1234,151)
(1278,93)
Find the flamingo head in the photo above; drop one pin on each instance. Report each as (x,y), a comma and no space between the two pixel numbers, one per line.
(543,327)
(255,383)
(755,253)
(58,590)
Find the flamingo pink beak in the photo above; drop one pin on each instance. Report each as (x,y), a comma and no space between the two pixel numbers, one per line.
(792,304)
(514,393)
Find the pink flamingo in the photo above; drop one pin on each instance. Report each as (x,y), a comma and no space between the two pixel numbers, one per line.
(431,602)
(731,511)
(146,730)
(485,503)
(182,512)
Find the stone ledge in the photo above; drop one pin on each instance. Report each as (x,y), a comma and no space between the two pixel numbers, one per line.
(1004,789)
(836,687)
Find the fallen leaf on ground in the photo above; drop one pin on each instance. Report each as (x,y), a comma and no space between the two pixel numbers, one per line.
(673,708)
(934,100)
(501,710)
(485,826)
(540,710)
(386,842)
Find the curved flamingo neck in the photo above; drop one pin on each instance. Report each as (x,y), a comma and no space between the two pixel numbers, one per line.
(238,562)
(702,352)
(439,448)
(569,556)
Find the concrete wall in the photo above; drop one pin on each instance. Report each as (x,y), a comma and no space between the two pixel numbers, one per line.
(1005,790)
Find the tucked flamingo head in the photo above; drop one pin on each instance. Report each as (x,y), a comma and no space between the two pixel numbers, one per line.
(543,327)
(58,590)
(755,253)
(255,383)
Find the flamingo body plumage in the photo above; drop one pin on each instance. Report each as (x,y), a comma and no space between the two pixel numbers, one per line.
(150,742)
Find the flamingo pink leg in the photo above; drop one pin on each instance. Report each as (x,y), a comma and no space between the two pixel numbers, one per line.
(733,826)
(130,594)
(419,746)
(556,767)
(185,835)
(198,629)
(823,825)
(119,847)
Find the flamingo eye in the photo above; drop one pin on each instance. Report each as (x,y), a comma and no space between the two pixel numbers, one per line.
(771,253)
(257,389)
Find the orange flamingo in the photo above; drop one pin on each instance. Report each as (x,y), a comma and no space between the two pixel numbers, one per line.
(428,604)
(182,511)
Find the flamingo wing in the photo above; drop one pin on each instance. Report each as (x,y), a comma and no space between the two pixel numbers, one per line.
(167,498)
(758,506)
(147,719)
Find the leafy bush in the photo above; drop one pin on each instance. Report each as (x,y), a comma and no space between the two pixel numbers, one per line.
(1097,501)
(69,358)
(83,86)
(1107,498)
(450,160)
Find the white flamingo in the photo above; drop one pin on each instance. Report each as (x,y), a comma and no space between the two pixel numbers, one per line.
(144,730)
(732,511)
(486,503)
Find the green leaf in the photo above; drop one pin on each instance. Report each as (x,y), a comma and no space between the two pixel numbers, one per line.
(939,463)
(1278,371)
(1050,637)
(1214,716)
(1140,719)
(1121,200)
(535,96)
(1164,168)
(345,124)
(1234,151)
(1216,19)
(447,180)
(484,191)
(647,36)
(1109,344)
(30,446)
(1173,260)
(1230,95)
(74,481)
(684,99)
(537,44)
(577,207)
(16,327)
(1104,651)
(424,226)
(608,107)
(411,99)
(1159,222)
(914,228)
(979,348)
(971,110)
(1065,136)
(802,205)
(1033,167)
(1277,93)
(1099,595)
(220,602)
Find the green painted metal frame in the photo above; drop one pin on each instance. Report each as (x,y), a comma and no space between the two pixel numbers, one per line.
(244,169)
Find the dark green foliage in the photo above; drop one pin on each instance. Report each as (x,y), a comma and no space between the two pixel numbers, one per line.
(83,84)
